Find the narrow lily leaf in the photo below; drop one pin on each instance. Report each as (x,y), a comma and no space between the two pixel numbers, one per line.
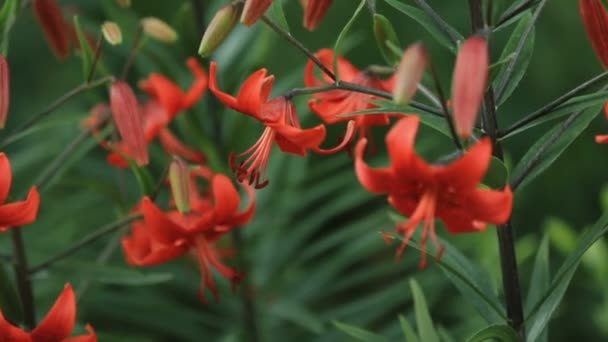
(497,175)
(424,321)
(358,333)
(343,35)
(541,313)
(541,278)
(511,73)
(408,331)
(143,176)
(500,333)
(425,21)
(550,146)
(277,14)
(507,17)
(115,275)
(296,313)
(575,104)
(386,38)
(8,14)
(86,53)
(9,299)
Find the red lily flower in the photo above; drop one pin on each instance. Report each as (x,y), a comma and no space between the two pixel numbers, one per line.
(281,126)
(163,237)
(425,192)
(56,326)
(595,18)
(314,11)
(253,10)
(5,82)
(16,213)
(329,105)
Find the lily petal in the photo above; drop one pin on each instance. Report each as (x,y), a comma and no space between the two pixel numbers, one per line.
(377,180)
(161,227)
(227,200)
(9,332)
(59,322)
(469,170)
(6,177)
(20,213)
(173,145)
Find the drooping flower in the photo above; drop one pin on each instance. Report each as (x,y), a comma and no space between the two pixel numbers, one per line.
(5,84)
(281,123)
(595,19)
(56,326)
(469,84)
(314,11)
(426,192)
(331,104)
(163,237)
(254,10)
(15,213)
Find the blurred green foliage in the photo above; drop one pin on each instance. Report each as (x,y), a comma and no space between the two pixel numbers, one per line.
(314,251)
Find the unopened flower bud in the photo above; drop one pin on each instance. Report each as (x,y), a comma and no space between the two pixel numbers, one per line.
(54,26)
(469,84)
(220,26)
(159,30)
(111,32)
(124,3)
(314,11)
(125,111)
(179,178)
(254,10)
(4,90)
(409,73)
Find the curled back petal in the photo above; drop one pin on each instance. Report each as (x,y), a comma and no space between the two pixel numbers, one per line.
(166,92)
(227,99)
(59,322)
(346,70)
(9,332)
(161,227)
(400,142)
(226,197)
(377,180)
(20,213)
(199,85)
(309,138)
(6,177)
(468,171)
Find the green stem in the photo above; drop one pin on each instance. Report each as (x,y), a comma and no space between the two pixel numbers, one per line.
(446,28)
(24,283)
(87,240)
(513,11)
(444,107)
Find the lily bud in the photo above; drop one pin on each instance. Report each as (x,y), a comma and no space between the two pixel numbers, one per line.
(54,26)
(254,10)
(179,178)
(595,18)
(125,111)
(4,90)
(220,26)
(124,3)
(159,30)
(314,11)
(469,84)
(409,73)
(111,33)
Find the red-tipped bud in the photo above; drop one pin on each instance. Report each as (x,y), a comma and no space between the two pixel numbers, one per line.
(254,10)
(314,11)
(469,84)
(595,18)
(409,73)
(54,26)
(128,120)
(179,178)
(220,26)
(5,82)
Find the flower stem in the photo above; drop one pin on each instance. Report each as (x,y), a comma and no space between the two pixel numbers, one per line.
(549,107)
(24,284)
(135,45)
(299,45)
(443,26)
(53,106)
(444,107)
(87,240)
(513,11)
(506,238)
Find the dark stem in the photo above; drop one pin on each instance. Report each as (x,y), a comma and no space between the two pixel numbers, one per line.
(299,45)
(133,52)
(446,28)
(506,236)
(199,11)
(96,55)
(24,284)
(87,240)
(444,107)
(53,106)
(512,12)
(548,108)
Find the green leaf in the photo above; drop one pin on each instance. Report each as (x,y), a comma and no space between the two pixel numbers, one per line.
(343,35)
(358,333)
(86,54)
(296,313)
(541,313)
(539,283)
(497,175)
(387,39)
(426,22)
(575,104)
(277,15)
(423,317)
(143,176)
(408,331)
(520,48)
(8,14)
(114,275)
(500,333)
(10,305)
(551,145)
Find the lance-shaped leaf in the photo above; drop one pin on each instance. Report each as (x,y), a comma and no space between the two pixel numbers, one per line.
(385,38)
(125,111)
